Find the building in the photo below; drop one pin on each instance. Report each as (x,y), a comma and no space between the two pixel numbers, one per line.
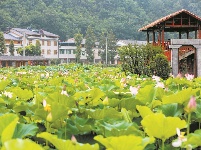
(25,37)
(183,52)
(67,51)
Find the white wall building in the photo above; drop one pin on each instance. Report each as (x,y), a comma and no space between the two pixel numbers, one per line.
(48,41)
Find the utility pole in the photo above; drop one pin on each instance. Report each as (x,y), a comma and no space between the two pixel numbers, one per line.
(106,51)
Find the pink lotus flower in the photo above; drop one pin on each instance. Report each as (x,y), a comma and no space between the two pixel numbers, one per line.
(134,90)
(73,139)
(179,75)
(189,76)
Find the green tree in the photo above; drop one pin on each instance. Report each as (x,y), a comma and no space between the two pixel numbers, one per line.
(11,48)
(37,51)
(78,40)
(89,44)
(144,60)
(30,50)
(2,43)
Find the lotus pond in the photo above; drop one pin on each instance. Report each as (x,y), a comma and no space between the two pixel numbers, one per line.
(72,107)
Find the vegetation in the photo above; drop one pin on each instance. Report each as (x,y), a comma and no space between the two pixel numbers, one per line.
(11,48)
(67,17)
(94,108)
(31,50)
(78,40)
(144,60)
(2,43)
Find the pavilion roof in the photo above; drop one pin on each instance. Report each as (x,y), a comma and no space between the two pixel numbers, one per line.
(163,19)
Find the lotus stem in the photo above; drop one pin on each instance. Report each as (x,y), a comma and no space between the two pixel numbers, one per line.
(188,123)
(163,144)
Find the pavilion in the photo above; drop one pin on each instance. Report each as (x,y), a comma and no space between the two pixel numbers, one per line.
(184,53)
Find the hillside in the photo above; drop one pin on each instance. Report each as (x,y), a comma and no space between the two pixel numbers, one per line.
(67,17)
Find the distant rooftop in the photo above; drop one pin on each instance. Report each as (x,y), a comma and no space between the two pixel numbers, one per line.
(22,58)
(10,37)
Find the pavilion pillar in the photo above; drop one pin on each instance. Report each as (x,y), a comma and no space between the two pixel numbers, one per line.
(6,63)
(196,34)
(175,59)
(179,35)
(147,36)
(153,38)
(163,38)
(0,65)
(197,60)
(187,34)
(159,37)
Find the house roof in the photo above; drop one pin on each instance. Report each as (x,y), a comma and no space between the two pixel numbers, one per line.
(26,31)
(47,33)
(132,42)
(10,37)
(163,19)
(21,58)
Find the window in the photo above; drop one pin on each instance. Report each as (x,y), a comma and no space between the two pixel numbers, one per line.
(43,51)
(48,43)
(43,42)
(55,52)
(68,51)
(48,52)
(55,43)
(61,51)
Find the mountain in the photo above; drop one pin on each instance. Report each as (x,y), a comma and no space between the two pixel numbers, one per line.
(67,17)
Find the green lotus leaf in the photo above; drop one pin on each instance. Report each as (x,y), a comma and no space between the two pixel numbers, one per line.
(3,84)
(129,103)
(83,125)
(116,128)
(198,111)
(156,103)
(7,126)
(159,126)
(113,102)
(22,94)
(144,111)
(107,87)
(61,144)
(126,115)
(160,92)
(23,130)
(21,144)
(194,139)
(180,97)
(104,113)
(172,110)
(130,142)
(148,97)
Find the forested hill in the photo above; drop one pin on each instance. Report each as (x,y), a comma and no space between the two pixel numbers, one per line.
(67,17)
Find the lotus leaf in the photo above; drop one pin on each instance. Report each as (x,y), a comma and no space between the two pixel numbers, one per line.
(159,126)
(130,142)
(3,84)
(23,130)
(144,111)
(22,94)
(194,139)
(7,126)
(180,97)
(103,113)
(148,97)
(21,144)
(66,144)
(172,110)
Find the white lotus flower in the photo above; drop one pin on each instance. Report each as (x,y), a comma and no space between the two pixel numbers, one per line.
(8,94)
(181,138)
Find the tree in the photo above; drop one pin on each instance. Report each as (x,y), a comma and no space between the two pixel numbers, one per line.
(78,40)
(89,44)
(11,48)
(37,51)
(31,50)
(144,60)
(111,46)
(2,43)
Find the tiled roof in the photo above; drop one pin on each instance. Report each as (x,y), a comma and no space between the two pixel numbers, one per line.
(168,17)
(26,31)
(48,33)
(22,58)
(10,37)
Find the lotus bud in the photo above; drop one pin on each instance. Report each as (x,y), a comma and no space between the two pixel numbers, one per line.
(191,105)
(105,101)
(49,117)
(73,139)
